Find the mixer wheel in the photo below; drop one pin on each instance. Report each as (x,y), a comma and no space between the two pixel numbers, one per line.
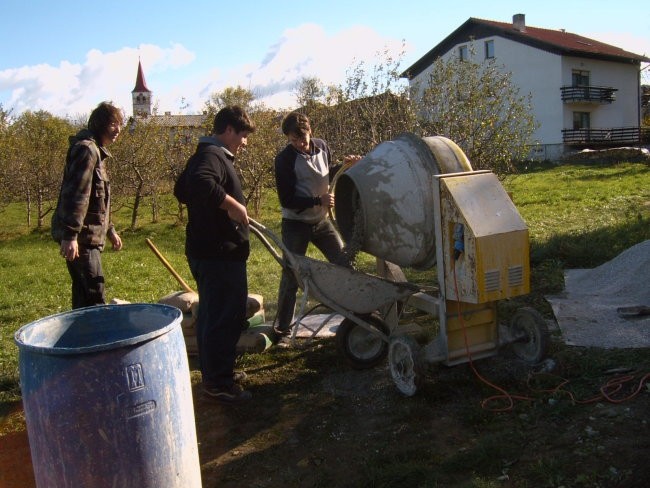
(361,348)
(404,363)
(531,334)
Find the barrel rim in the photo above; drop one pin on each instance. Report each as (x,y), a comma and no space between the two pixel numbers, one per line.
(174,312)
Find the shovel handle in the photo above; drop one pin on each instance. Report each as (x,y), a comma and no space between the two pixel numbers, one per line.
(169,267)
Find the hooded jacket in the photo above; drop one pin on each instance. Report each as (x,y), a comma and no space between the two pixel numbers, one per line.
(203,185)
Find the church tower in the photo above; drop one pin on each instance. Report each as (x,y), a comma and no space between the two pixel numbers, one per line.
(141,95)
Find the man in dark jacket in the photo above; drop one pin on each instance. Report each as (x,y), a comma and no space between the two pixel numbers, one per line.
(217,247)
(81,220)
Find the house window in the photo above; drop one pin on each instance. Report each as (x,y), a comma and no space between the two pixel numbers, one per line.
(581,120)
(489,49)
(462,53)
(579,78)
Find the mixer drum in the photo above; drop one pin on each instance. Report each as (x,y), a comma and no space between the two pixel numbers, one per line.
(384,203)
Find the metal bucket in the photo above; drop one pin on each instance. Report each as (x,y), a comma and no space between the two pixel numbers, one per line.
(107,398)
(384,203)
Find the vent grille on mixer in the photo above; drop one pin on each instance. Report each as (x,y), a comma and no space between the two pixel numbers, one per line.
(492,279)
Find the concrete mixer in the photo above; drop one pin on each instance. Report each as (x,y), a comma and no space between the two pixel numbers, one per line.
(416,202)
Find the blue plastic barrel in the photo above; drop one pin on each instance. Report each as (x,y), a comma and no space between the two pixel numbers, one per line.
(108,399)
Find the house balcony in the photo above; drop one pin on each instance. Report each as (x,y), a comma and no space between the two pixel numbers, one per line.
(588,94)
(612,137)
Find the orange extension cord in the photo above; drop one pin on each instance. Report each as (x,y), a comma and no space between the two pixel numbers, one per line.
(607,391)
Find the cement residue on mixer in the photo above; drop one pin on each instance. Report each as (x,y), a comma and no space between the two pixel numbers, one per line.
(587,310)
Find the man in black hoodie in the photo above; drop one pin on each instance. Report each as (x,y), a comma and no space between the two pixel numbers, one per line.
(81,220)
(217,247)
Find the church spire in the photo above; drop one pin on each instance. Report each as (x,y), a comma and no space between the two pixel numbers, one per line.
(140,82)
(141,95)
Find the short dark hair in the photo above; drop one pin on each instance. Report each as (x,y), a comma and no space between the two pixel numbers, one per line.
(104,115)
(233,116)
(296,123)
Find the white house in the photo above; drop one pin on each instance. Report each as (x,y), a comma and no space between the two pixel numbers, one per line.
(585,93)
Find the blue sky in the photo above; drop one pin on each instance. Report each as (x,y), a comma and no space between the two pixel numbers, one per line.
(66,56)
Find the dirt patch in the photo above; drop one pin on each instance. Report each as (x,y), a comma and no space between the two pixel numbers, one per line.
(15,459)
(331,426)
(313,422)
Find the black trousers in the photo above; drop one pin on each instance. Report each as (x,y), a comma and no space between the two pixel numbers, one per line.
(87,278)
(296,237)
(223,292)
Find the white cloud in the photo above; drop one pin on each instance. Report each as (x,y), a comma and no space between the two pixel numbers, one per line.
(174,73)
(306,50)
(309,51)
(73,89)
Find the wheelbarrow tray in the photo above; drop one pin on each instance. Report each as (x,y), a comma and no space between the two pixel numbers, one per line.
(346,288)
(342,289)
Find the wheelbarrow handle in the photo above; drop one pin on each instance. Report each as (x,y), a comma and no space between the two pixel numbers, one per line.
(259,230)
(266,232)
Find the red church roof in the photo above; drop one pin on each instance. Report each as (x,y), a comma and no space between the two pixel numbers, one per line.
(140,82)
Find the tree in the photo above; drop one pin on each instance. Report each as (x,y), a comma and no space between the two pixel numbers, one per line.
(139,165)
(5,154)
(179,146)
(228,96)
(5,119)
(371,106)
(380,108)
(309,92)
(477,106)
(255,163)
(35,149)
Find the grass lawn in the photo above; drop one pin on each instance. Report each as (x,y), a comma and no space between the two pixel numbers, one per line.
(307,426)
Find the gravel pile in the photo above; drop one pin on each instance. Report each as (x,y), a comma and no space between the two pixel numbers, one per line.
(587,311)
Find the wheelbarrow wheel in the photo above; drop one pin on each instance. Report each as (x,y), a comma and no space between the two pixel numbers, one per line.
(531,335)
(404,364)
(363,349)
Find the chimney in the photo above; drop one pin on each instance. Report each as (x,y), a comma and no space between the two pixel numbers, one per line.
(519,22)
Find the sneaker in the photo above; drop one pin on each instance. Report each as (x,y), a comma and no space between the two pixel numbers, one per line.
(284,342)
(239,376)
(281,332)
(232,395)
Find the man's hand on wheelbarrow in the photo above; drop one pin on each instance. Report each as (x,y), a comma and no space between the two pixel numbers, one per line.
(236,211)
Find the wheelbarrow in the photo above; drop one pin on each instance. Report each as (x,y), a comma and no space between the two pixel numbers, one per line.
(365,301)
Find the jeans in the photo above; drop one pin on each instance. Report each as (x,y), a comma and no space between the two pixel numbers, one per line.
(296,236)
(223,292)
(87,278)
